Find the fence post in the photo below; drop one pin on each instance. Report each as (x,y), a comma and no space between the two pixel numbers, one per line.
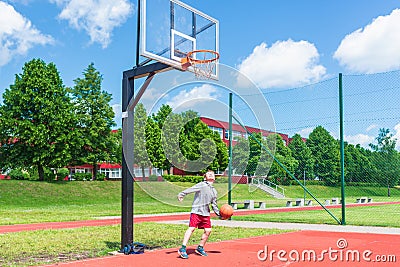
(230,152)
(343,221)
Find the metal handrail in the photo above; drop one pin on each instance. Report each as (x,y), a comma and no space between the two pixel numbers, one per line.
(266,182)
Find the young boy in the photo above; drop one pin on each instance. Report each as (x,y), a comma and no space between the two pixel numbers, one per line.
(205,194)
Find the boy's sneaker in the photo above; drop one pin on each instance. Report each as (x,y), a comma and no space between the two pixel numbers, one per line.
(200,250)
(182,253)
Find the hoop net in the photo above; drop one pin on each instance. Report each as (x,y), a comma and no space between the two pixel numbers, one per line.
(203,63)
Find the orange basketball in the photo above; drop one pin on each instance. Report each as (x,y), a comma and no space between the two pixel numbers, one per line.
(226,211)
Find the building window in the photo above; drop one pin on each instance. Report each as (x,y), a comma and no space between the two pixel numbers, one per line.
(112,173)
(147,172)
(236,133)
(83,170)
(217,130)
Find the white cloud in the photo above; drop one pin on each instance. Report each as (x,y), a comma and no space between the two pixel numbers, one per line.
(151,94)
(284,64)
(397,135)
(17,34)
(371,127)
(375,48)
(117,108)
(361,139)
(305,132)
(97,17)
(189,98)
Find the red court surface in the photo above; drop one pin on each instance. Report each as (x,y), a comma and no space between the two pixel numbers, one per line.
(302,248)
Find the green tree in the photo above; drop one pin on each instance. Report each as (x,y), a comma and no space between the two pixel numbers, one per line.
(386,159)
(154,146)
(162,115)
(284,155)
(246,154)
(358,167)
(198,142)
(240,155)
(95,119)
(157,154)
(250,158)
(170,141)
(37,124)
(183,141)
(255,153)
(116,154)
(141,158)
(325,150)
(302,153)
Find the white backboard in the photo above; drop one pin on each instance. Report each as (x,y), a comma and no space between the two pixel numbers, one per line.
(169,29)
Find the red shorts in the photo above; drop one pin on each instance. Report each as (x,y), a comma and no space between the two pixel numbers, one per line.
(199,221)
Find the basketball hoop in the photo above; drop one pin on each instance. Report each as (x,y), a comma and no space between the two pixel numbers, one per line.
(203,63)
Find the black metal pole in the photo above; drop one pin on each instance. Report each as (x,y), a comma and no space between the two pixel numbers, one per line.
(230,152)
(127,160)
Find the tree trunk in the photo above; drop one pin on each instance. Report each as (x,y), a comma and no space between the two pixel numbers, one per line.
(41,172)
(94,174)
(143,173)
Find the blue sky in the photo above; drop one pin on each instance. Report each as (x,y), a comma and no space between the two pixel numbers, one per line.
(277,44)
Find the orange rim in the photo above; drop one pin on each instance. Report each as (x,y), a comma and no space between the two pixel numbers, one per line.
(202,61)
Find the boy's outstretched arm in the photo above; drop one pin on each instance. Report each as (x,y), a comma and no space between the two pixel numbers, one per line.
(192,189)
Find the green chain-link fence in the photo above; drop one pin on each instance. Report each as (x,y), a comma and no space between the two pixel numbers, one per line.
(305,144)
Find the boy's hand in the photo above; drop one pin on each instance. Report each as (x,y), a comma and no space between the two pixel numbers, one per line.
(180,198)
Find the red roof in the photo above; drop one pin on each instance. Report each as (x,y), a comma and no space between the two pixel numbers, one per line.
(84,166)
(236,127)
(100,165)
(109,166)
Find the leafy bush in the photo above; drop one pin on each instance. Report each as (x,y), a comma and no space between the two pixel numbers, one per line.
(183,178)
(221,180)
(153,178)
(62,173)
(18,174)
(100,176)
(86,176)
(49,175)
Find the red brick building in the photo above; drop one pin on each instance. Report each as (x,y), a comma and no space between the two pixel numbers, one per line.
(222,128)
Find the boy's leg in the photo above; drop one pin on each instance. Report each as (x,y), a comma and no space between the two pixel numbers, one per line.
(187,235)
(204,237)
(182,251)
(200,249)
